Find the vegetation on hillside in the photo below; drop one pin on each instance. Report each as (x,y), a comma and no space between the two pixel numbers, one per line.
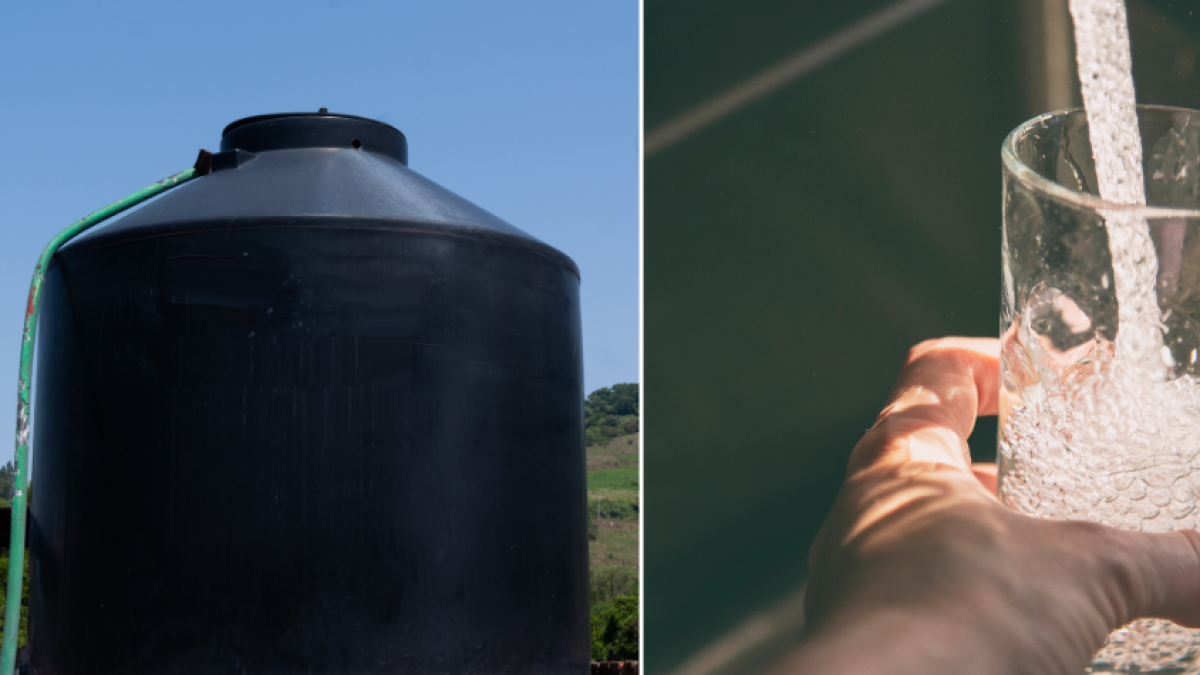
(612,533)
(23,633)
(615,629)
(610,412)
(623,478)
(613,505)
(8,483)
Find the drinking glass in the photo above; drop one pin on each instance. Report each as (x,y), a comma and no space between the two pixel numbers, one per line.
(1100,403)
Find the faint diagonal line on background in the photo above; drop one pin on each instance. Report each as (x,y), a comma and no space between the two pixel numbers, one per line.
(755,644)
(786,71)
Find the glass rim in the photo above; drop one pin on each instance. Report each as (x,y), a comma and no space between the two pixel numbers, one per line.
(1035,181)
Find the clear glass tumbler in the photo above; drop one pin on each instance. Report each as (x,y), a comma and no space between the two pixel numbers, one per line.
(1100,362)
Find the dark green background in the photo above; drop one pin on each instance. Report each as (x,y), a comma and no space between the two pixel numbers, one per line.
(796,249)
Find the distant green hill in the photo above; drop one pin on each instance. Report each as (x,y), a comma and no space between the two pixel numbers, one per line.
(614,503)
(610,412)
(624,478)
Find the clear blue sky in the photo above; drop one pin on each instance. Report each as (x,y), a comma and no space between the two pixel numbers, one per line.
(529,109)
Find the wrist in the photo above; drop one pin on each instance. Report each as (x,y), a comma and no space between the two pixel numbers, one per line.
(895,641)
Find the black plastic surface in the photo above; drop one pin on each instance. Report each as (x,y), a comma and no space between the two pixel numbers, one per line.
(310,440)
(315,130)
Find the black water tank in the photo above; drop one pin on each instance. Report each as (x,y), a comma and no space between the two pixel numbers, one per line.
(312,413)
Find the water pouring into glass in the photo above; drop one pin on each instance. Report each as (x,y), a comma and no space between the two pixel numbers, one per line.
(1100,400)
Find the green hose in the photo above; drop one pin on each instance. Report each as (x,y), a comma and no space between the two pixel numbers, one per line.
(16,547)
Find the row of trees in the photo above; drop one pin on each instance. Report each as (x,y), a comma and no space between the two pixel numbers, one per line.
(619,399)
(615,629)
(8,482)
(614,598)
(8,487)
(23,633)
(610,412)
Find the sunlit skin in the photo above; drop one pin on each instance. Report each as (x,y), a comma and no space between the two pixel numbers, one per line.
(920,569)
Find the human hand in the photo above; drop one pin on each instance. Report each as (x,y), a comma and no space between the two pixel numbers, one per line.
(920,569)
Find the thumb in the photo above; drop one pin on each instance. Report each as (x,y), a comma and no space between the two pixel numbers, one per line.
(1153,575)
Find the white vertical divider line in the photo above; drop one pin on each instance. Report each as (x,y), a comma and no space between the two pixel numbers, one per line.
(641,339)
